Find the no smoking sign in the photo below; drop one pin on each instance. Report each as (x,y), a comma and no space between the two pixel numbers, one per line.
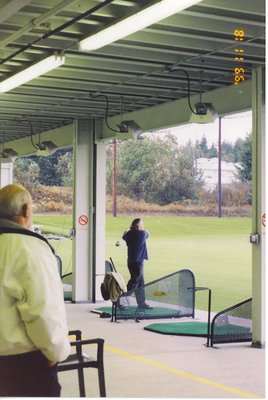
(263,220)
(82,220)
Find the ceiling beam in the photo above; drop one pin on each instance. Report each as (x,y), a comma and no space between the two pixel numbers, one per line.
(34,23)
(11,7)
(249,6)
(62,137)
(227,100)
(237,20)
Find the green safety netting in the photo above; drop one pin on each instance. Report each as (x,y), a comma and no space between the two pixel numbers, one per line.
(172,296)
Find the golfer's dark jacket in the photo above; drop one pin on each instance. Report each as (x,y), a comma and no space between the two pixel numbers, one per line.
(136,243)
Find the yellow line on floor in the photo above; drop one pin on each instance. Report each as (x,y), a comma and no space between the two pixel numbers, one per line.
(176,371)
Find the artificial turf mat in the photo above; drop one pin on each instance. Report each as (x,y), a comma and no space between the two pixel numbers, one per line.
(99,310)
(68,296)
(130,312)
(180,328)
(193,329)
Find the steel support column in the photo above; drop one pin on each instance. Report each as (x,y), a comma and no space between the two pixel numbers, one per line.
(100,195)
(83,214)
(6,174)
(258,207)
(219,171)
(89,213)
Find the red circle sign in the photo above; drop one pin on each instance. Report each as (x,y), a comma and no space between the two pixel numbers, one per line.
(83,220)
(263,220)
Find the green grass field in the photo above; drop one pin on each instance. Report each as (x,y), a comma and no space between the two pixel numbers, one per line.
(58,224)
(216,250)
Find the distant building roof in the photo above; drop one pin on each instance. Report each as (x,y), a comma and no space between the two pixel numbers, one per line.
(209,169)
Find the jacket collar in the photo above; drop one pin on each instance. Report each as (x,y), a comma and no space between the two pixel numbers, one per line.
(7,226)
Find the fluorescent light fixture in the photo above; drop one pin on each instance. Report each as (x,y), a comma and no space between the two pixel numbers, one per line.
(46,148)
(32,72)
(205,114)
(135,23)
(8,156)
(130,127)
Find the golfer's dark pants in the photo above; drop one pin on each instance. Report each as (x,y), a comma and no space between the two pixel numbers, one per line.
(136,281)
(28,375)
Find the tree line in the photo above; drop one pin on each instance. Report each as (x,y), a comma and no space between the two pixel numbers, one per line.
(158,170)
(54,170)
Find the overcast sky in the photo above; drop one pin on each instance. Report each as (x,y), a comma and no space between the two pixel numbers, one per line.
(233,127)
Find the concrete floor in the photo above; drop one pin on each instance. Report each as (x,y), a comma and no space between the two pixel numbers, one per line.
(142,364)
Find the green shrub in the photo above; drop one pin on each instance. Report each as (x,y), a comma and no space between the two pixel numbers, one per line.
(52,199)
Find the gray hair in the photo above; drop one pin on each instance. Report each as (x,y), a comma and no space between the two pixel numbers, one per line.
(13,199)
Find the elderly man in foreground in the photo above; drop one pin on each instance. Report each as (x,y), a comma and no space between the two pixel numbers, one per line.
(33,328)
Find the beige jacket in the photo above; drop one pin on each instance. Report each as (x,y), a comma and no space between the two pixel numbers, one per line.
(115,285)
(32,310)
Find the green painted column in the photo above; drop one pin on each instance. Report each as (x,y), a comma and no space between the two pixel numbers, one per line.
(258,207)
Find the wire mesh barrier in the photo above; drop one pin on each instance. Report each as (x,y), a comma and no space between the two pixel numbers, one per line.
(233,324)
(171,296)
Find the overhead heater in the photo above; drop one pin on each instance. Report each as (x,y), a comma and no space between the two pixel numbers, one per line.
(45,148)
(204,113)
(130,126)
(8,156)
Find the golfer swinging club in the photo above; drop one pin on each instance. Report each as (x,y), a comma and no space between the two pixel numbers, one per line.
(135,239)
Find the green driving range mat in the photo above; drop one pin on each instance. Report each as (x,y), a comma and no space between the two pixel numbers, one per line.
(68,296)
(193,329)
(180,328)
(130,312)
(103,310)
